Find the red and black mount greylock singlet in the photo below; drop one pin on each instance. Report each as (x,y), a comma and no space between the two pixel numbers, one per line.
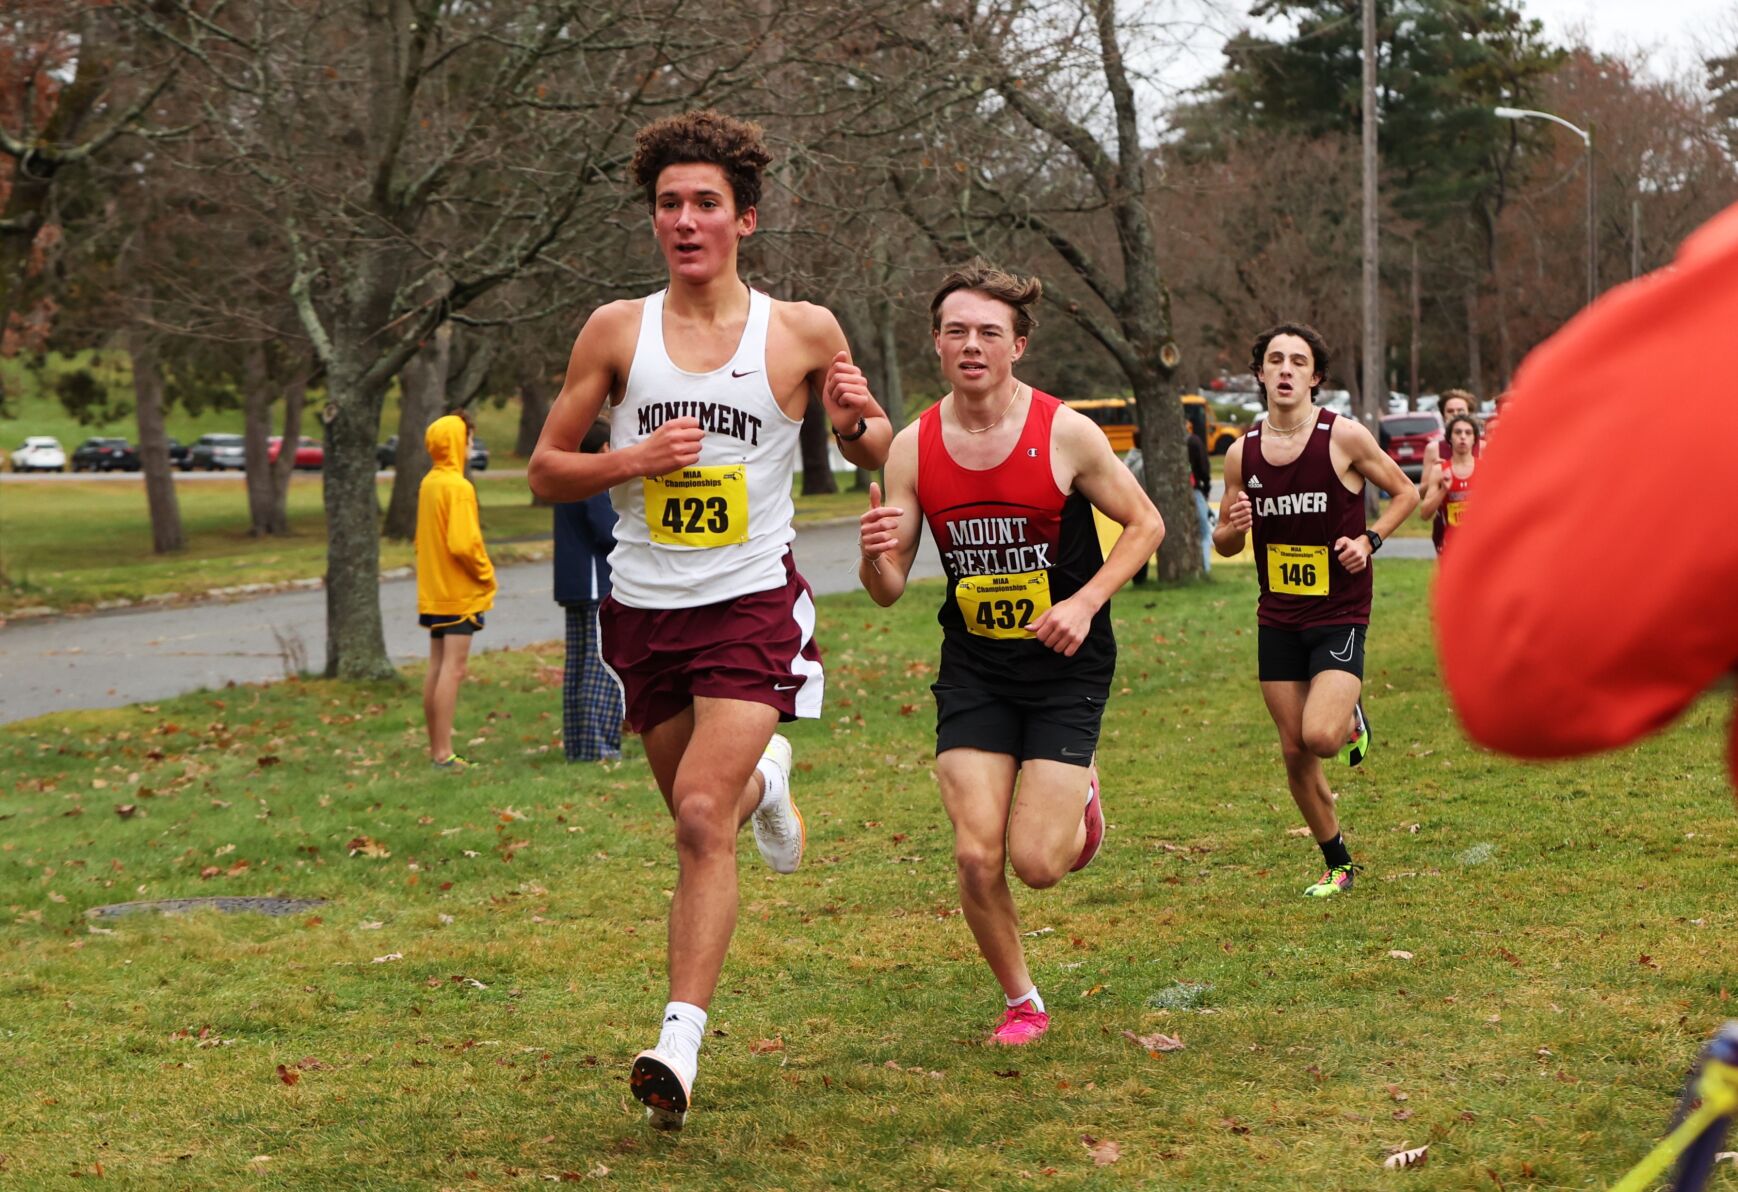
(1012,544)
(1301,509)
(1453,507)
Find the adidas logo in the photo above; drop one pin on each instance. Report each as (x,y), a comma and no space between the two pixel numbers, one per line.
(674,1018)
(1252,482)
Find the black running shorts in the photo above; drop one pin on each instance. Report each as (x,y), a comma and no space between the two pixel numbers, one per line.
(1028,725)
(1299,655)
(444,624)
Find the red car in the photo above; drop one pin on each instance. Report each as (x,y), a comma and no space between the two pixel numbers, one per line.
(1405,436)
(310,455)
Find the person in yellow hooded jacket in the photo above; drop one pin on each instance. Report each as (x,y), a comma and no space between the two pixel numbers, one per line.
(455,581)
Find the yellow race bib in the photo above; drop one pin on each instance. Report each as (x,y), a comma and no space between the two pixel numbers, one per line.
(1297,570)
(1453,512)
(700,507)
(1003,606)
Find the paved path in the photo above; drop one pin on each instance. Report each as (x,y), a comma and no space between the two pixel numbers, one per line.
(113,659)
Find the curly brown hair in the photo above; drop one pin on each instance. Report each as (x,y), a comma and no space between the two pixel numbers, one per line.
(981,277)
(1312,337)
(707,137)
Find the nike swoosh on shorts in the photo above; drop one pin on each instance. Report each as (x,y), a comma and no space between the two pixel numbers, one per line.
(1351,637)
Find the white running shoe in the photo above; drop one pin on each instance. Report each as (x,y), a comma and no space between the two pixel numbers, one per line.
(660,1086)
(778,825)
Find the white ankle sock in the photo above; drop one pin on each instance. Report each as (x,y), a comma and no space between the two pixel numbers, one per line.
(774,779)
(679,1041)
(1031,995)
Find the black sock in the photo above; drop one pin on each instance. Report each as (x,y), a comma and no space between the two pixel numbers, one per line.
(1334,851)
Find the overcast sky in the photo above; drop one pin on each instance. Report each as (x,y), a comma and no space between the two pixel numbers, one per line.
(1670,31)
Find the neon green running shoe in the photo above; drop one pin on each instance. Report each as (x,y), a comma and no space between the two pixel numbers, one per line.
(1358,748)
(1336,880)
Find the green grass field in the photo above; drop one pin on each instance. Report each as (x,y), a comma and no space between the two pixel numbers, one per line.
(1528,964)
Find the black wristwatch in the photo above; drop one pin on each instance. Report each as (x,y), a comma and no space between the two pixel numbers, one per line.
(862,429)
(1375,540)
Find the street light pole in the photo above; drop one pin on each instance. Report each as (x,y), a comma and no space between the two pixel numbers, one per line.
(1586,135)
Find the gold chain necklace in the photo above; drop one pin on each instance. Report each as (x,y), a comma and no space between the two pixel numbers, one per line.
(979,430)
(1288,430)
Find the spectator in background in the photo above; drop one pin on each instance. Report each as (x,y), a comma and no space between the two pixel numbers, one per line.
(591,699)
(455,581)
(1201,474)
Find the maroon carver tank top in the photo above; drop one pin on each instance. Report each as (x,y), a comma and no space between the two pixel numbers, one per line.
(1301,509)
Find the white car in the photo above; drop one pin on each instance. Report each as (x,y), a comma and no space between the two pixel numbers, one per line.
(40,453)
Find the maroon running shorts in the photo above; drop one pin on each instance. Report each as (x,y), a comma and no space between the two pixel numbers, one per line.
(759,648)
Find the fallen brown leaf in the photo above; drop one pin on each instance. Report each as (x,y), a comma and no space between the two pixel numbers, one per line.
(766,1046)
(1104,1152)
(367,846)
(288,1075)
(1154,1043)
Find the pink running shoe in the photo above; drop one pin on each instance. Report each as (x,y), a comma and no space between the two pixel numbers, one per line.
(1021,1025)
(1094,827)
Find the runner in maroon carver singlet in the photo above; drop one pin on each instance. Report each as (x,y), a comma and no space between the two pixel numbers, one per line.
(1007,478)
(1297,482)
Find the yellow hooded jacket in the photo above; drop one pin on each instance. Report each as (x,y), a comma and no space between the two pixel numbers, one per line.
(453,573)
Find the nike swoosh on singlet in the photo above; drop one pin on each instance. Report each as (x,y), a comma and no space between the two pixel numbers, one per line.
(749,373)
(1351,637)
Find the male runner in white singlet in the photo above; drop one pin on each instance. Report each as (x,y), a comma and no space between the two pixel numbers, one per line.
(708,625)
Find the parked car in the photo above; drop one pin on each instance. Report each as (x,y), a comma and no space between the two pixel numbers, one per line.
(386,455)
(179,457)
(1405,436)
(310,454)
(105,455)
(215,453)
(40,453)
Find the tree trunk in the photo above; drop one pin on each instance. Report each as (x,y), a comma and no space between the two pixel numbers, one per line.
(295,394)
(257,401)
(1165,462)
(355,640)
(1474,363)
(166,533)
(892,391)
(1417,325)
(815,437)
(423,385)
(534,402)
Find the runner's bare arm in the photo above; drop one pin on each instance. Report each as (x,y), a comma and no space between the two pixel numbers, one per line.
(1435,489)
(844,391)
(1364,454)
(888,534)
(1235,515)
(596,368)
(1102,479)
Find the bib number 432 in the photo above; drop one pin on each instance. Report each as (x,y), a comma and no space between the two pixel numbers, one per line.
(1003,606)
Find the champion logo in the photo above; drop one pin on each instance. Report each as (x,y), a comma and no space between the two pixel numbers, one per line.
(748,372)
(1252,482)
(1031,453)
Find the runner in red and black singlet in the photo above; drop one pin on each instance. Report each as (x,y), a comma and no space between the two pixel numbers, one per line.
(1452,403)
(1007,479)
(1297,482)
(1446,490)
(1012,544)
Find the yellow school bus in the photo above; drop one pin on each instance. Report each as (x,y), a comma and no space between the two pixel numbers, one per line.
(1116,417)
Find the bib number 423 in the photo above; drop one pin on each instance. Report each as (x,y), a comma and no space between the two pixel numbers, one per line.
(698,507)
(693,515)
